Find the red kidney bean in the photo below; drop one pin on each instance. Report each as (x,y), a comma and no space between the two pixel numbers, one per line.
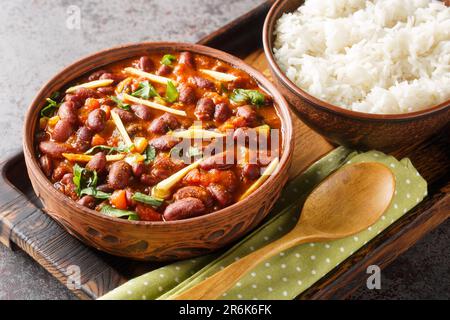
(46,165)
(187,58)
(134,129)
(205,109)
(67,178)
(87,201)
(193,177)
(109,102)
(147,213)
(163,143)
(125,116)
(251,171)
(220,67)
(183,209)
(62,131)
(96,75)
(222,112)
(129,196)
(69,186)
(227,178)
(203,83)
(61,170)
(145,63)
(119,175)
(246,135)
(148,179)
(137,169)
(96,120)
(186,94)
(194,192)
(106,90)
(163,124)
(54,149)
(164,167)
(112,76)
(142,112)
(248,114)
(105,188)
(218,161)
(83,140)
(68,111)
(241,83)
(85,93)
(97,163)
(75,99)
(164,70)
(220,194)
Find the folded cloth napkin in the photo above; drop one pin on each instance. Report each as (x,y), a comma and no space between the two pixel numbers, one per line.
(291,272)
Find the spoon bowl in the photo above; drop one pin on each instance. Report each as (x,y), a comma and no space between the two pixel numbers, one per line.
(347,202)
(327,210)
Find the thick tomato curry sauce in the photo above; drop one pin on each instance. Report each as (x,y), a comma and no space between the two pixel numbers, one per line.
(109,141)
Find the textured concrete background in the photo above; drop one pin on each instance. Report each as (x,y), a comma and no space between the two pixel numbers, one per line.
(35,43)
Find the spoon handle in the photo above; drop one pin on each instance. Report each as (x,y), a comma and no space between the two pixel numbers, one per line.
(214,286)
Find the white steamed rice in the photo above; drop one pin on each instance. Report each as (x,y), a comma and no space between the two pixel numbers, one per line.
(380,56)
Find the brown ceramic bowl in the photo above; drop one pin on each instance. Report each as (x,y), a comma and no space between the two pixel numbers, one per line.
(144,240)
(350,128)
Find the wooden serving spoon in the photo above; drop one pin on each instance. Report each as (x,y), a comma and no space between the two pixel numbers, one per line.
(347,202)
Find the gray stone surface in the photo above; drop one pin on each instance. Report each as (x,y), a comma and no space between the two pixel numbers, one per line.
(35,43)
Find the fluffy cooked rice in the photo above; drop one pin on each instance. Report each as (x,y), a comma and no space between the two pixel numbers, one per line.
(380,56)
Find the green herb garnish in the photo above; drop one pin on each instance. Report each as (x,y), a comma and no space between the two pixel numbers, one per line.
(51,106)
(120,103)
(149,154)
(255,97)
(141,197)
(117,213)
(84,178)
(171,92)
(91,191)
(120,149)
(223,89)
(168,59)
(145,91)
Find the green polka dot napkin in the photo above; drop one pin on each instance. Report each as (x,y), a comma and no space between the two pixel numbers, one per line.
(291,272)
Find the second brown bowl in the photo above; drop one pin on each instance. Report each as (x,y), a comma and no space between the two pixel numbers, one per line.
(159,241)
(350,128)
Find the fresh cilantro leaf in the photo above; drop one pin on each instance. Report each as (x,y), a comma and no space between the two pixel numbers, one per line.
(149,154)
(91,191)
(168,59)
(84,178)
(255,97)
(171,92)
(117,213)
(141,197)
(77,174)
(223,89)
(51,106)
(120,103)
(133,217)
(145,91)
(122,148)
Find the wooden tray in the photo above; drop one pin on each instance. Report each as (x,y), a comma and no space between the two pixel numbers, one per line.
(24,225)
